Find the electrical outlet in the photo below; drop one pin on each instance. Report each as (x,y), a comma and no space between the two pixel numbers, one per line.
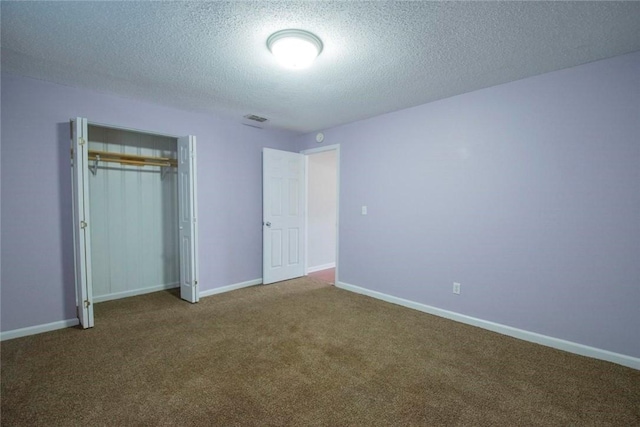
(456,288)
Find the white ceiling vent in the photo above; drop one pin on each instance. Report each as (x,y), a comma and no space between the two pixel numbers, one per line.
(255,121)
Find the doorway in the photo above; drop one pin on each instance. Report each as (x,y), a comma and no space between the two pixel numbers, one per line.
(322,212)
(285,216)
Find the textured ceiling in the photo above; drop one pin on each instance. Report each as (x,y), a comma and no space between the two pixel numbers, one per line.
(378,56)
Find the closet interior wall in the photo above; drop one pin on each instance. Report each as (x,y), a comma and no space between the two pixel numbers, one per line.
(134,224)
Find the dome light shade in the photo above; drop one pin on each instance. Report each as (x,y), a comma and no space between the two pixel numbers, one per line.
(294,49)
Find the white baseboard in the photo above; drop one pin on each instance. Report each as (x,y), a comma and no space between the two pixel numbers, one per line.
(134,292)
(569,346)
(228,288)
(38,329)
(32,330)
(321,267)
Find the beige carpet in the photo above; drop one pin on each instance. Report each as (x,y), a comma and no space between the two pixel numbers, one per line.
(300,353)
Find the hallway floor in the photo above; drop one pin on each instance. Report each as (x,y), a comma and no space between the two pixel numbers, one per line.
(328,275)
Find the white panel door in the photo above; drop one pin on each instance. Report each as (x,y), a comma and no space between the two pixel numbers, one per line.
(81,223)
(283,215)
(188,227)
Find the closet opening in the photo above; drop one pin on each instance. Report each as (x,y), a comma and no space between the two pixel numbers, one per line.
(134,214)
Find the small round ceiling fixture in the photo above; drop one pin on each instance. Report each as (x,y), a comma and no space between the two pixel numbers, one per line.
(295,49)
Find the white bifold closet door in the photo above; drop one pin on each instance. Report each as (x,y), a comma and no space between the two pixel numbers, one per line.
(187,221)
(158,249)
(81,214)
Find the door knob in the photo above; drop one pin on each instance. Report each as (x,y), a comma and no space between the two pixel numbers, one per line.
(268,224)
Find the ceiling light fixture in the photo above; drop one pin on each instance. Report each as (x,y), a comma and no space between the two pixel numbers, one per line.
(294,49)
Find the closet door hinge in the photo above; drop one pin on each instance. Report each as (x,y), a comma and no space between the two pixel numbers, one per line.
(86,303)
(83,224)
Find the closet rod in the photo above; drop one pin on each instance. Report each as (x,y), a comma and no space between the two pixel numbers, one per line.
(133,162)
(131,159)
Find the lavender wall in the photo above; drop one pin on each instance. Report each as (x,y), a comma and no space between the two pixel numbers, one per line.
(527,193)
(37,251)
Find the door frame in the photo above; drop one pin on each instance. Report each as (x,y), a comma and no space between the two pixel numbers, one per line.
(307,153)
(73,121)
